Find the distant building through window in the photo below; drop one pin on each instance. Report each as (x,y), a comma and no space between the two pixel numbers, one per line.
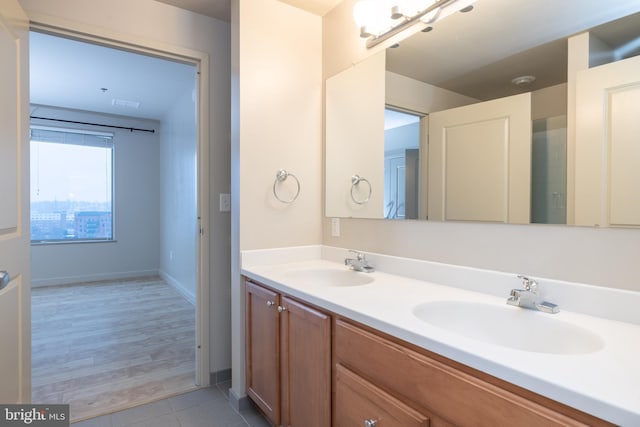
(71,185)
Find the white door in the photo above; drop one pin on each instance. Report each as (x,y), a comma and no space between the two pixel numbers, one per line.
(480,162)
(15,318)
(607,151)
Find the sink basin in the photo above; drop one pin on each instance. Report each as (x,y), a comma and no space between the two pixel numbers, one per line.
(508,326)
(330,277)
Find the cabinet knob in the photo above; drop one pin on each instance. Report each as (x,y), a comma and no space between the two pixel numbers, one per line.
(271,303)
(370,423)
(281,309)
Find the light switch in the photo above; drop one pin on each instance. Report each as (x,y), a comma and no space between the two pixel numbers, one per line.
(335,227)
(225,202)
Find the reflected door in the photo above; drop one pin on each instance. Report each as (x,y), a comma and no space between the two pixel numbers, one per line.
(480,162)
(607,151)
(354,109)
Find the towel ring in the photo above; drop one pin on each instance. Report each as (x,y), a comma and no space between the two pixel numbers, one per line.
(282,176)
(355,181)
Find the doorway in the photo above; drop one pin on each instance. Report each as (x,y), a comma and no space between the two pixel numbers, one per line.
(158,162)
(401,163)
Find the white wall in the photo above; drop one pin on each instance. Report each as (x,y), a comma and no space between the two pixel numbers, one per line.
(603,257)
(178,195)
(277,123)
(136,201)
(167,28)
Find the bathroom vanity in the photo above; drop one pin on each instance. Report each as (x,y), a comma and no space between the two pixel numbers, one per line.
(330,346)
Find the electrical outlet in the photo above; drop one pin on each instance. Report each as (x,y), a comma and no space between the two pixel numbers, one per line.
(225,202)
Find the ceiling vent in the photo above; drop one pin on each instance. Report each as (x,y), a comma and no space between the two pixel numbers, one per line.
(125,103)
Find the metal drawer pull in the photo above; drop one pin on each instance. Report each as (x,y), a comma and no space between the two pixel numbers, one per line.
(281,309)
(270,303)
(4,279)
(370,423)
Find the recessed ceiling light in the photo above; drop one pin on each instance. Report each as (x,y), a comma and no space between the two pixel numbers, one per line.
(523,80)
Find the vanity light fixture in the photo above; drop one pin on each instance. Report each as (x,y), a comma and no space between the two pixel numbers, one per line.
(379,20)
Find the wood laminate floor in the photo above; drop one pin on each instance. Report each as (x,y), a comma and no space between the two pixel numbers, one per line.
(106,346)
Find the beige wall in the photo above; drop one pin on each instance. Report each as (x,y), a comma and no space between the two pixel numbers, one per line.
(280,127)
(549,102)
(276,111)
(604,257)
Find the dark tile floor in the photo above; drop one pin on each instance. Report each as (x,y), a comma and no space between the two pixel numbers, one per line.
(208,407)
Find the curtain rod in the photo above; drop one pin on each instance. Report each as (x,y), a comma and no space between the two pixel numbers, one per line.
(95,124)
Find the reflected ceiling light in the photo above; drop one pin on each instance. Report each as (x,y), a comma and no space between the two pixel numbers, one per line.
(379,20)
(523,80)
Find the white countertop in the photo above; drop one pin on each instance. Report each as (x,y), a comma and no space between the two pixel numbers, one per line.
(605,383)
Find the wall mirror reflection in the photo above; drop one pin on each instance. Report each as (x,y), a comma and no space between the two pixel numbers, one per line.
(489,134)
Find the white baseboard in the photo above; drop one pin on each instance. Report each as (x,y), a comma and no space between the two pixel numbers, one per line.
(178,287)
(52,281)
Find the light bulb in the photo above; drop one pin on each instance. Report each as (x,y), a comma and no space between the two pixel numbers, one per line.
(363,11)
(373,15)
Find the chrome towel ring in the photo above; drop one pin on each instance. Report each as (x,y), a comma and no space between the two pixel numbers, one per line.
(355,182)
(282,176)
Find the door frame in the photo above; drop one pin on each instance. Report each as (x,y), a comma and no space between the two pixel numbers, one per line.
(200,60)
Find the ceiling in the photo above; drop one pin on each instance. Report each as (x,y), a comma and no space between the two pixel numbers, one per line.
(478,53)
(479,61)
(221,9)
(72,74)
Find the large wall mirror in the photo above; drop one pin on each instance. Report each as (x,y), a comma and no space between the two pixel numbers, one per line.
(473,121)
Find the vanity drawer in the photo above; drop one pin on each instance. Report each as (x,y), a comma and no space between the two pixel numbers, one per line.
(358,403)
(443,389)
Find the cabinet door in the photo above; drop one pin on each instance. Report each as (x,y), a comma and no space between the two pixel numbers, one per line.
(263,350)
(358,402)
(306,365)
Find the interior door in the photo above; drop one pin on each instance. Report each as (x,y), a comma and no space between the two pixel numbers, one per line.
(15,329)
(480,162)
(607,151)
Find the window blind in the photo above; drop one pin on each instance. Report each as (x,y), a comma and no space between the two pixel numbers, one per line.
(71,136)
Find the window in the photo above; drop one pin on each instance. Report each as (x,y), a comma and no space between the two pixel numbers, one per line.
(71,185)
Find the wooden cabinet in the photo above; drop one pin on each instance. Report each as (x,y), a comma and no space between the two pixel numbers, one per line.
(445,391)
(263,350)
(300,375)
(288,360)
(358,402)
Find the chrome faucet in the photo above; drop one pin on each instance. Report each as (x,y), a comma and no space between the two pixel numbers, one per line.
(359,263)
(528,297)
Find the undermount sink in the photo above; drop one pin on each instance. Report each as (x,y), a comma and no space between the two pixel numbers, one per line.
(508,326)
(330,277)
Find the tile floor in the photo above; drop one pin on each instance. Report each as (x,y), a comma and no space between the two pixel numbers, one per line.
(207,407)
